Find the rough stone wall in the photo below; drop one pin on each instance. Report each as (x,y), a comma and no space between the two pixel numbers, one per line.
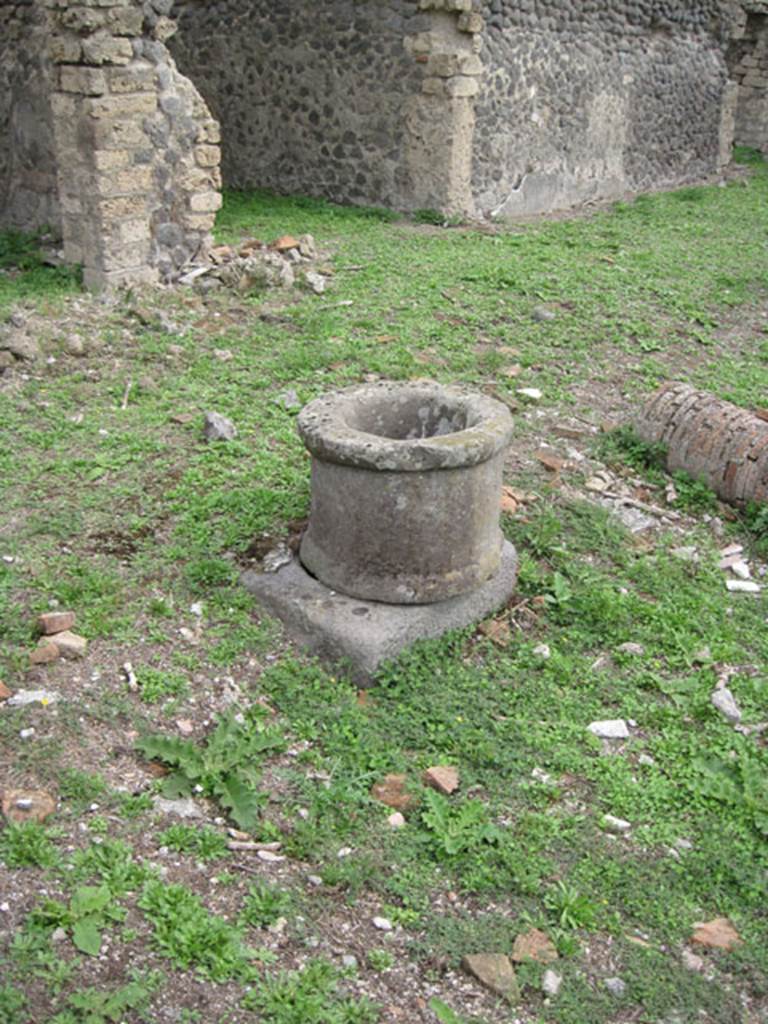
(748,62)
(135,146)
(28,189)
(310,94)
(585,99)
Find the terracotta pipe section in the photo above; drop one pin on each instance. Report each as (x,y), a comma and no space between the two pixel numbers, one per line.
(714,441)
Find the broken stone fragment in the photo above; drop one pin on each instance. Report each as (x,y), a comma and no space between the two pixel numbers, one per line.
(55,622)
(631,648)
(725,702)
(392,792)
(495,971)
(541,314)
(71,645)
(443,778)
(534,945)
(285,243)
(45,652)
(315,281)
(307,247)
(20,345)
(718,934)
(218,428)
(743,586)
(597,484)
(549,460)
(396,820)
(610,729)
(183,808)
(20,805)
(551,982)
(614,824)
(22,698)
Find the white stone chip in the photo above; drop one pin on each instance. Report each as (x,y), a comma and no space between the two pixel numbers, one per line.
(614,824)
(725,702)
(743,586)
(610,729)
(23,697)
(551,982)
(383,924)
(269,857)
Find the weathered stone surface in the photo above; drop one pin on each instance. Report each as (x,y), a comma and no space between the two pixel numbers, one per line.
(535,149)
(443,778)
(717,934)
(55,622)
(70,644)
(391,790)
(20,805)
(405,484)
(725,702)
(495,971)
(610,729)
(498,107)
(44,653)
(534,945)
(357,636)
(218,428)
(20,345)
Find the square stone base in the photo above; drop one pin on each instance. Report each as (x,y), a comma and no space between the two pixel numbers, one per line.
(358,636)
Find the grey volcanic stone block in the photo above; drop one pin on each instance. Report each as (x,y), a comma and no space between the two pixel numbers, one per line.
(360,635)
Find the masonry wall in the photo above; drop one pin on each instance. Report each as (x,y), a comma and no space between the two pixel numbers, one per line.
(28,190)
(748,60)
(587,99)
(311,94)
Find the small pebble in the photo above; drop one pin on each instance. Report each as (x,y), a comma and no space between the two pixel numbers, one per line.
(615,986)
(610,729)
(614,824)
(725,702)
(551,982)
(542,651)
(692,961)
(383,924)
(25,734)
(631,648)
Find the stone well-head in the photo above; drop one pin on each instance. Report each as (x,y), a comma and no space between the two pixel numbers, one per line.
(406,480)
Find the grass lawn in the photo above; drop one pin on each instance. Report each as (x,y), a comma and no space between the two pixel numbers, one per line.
(113,506)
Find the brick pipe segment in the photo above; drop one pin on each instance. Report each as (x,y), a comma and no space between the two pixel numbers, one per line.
(712,440)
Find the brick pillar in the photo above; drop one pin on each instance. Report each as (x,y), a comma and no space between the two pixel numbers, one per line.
(440,122)
(100,101)
(137,150)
